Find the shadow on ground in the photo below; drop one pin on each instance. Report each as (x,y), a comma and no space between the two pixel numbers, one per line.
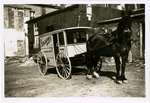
(78,71)
(75,71)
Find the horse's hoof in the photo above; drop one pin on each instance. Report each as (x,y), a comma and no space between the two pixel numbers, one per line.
(118,81)
(96,75)
(113,77)
(88,77)
(125,81)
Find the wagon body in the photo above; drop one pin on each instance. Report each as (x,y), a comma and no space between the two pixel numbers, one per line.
(61,48)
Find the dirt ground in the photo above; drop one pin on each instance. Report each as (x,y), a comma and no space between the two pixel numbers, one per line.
(26,81)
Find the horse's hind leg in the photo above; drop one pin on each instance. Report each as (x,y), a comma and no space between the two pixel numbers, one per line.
(89,66)
(94,61)
(95,74)
(99,65)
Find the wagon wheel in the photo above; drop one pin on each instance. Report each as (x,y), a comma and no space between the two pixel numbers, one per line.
(63,67)
(42,63)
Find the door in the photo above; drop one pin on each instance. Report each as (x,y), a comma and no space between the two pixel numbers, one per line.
(55,41)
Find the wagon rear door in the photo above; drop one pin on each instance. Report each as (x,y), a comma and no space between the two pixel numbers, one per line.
(47,47)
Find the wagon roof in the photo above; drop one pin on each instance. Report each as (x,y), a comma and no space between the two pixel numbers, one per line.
(65,29)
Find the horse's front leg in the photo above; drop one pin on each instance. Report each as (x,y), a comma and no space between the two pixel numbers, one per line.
(118,77)
(94,61)
(89,71)
(89,65)
(123,66)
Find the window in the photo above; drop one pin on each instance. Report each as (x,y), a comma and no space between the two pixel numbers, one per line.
(36,42)
(14,18)
(76,36)
(10,18)
(61,38)
(69,37)
(20,20)
(141,5)
(80,36)
(36,29)
(32,13)
(6,17)
(36,36)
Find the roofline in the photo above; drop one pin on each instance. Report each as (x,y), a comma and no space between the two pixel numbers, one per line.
(47,6)
(117,19)
(18,6)
(64,29)
(53,13)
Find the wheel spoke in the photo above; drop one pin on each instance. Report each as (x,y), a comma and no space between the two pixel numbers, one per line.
(63,72)
(67,70)
(67,67)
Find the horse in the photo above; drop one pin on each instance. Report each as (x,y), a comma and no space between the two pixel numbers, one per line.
(116,44)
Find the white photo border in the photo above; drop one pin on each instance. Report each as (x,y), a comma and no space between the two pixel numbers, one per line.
(145,99)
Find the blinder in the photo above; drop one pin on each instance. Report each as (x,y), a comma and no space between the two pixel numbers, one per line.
(127,30)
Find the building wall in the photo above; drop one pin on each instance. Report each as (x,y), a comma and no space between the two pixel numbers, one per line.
(103,13)
(73,16)
(14,32)
(76,17)
(16,29)
(39,10)
(69,18)
(138,30)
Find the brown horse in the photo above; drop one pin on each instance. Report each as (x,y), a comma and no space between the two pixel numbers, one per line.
(115,44)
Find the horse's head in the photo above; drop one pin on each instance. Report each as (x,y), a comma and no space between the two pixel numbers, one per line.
(124,27)
(126,32)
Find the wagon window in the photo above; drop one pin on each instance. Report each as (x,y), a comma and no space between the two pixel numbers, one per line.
(76,36)
(61,38)
(69,37)
(80,36)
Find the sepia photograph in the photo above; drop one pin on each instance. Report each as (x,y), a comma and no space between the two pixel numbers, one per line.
(74,50)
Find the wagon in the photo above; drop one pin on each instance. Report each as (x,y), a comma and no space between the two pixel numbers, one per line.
(62,49)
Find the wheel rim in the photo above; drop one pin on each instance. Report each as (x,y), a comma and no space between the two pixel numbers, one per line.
(63,66)
(42,63)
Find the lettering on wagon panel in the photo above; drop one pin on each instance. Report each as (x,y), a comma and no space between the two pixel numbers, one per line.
(45,41)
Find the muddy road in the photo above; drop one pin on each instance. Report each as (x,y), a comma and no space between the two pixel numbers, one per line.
(26,81)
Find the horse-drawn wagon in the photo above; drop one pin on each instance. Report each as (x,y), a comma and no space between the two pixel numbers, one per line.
(62,49)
